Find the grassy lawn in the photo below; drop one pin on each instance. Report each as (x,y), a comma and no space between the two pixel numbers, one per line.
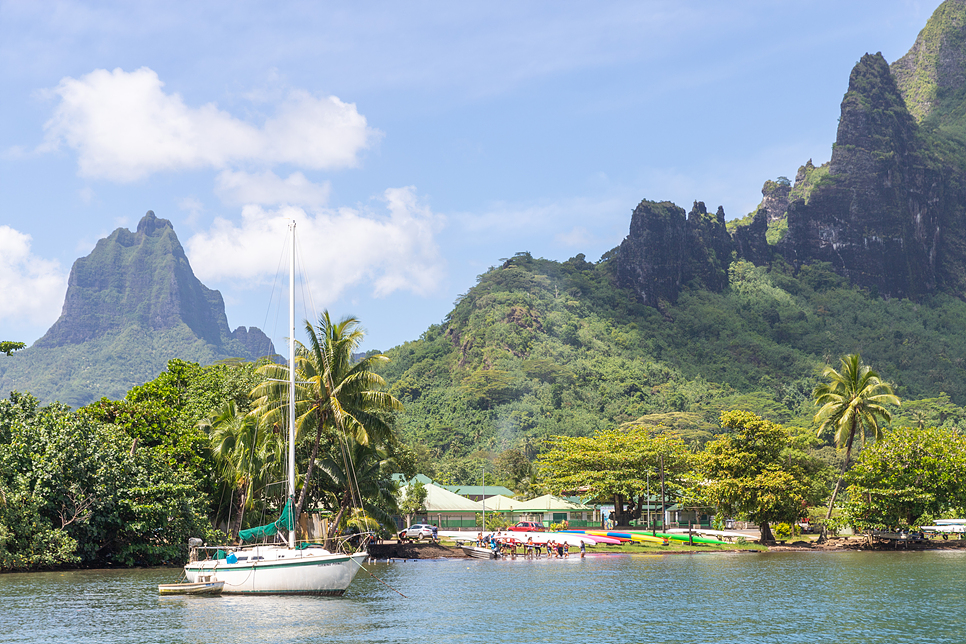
(674,546)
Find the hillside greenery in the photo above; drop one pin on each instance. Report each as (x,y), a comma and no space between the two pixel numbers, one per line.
(539,348)
(134,353)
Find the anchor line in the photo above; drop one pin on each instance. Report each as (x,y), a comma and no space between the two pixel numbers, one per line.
(377,579)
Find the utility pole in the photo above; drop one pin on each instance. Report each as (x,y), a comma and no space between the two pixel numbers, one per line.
(663,509)
(649,502)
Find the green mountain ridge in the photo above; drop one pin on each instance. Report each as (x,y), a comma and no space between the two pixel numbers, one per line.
(540,348)
(692,315)
(132,305)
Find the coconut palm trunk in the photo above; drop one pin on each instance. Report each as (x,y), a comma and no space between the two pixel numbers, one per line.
(845,467)
(238,523)
(309,471)
(851,401)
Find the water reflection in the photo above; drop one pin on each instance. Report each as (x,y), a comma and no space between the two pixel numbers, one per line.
(779,597)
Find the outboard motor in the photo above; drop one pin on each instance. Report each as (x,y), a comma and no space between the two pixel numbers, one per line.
(193,544)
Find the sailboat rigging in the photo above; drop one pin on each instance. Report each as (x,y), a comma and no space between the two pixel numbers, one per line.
(286,567)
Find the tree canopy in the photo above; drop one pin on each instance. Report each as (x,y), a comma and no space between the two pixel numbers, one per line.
(7,347)
(909,473)
(745,473)
(616,464)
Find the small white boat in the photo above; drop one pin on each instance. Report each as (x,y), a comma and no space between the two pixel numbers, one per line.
(480,553)
(198,588)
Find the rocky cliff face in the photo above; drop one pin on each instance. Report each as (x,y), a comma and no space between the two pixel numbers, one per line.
(878,218)
(132,305)
(774,200)
(666,250)
(932,75)
(138,278)
(888,211)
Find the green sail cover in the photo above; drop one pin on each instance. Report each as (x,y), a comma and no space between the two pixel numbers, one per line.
(284,522)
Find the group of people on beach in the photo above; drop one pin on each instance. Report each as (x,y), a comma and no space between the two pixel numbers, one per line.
(507,546)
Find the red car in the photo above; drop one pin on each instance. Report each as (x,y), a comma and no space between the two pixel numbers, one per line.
(528,526)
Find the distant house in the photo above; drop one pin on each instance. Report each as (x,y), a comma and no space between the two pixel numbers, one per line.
(446,509)
(477,492)
(545,509)
(554,509)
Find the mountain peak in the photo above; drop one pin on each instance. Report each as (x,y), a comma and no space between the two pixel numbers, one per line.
(932,75)
(132,304)
(875,123)
(150,223)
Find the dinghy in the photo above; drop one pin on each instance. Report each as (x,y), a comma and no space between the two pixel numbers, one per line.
(197,588)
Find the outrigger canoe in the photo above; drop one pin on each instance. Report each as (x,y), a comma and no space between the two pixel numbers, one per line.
(478,552)
(601,538)
(636,536)
(695,539)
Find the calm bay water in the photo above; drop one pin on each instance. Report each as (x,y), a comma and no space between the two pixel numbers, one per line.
(812,598)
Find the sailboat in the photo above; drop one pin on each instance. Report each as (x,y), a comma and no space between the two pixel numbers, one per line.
(285,567)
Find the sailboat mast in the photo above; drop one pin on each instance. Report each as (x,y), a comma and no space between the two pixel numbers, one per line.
(291,384)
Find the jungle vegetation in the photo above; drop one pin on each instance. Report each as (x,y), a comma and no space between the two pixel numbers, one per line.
(539,349)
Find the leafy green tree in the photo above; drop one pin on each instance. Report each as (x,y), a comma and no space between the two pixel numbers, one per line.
(746,473)
(852,402)
(515,469)
(930,412)
(614,464)
(74,491)
(335,397)
(7,347)
(163,414)
(413,500)
(909,473)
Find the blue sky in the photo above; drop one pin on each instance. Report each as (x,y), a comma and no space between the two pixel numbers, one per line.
(416,144)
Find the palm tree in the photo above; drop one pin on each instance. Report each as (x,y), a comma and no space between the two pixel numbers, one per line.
(334,396)
(851,402)
(356,476)
(238,448)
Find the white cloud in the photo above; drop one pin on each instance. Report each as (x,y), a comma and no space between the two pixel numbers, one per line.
(578,236)
(32,288)
(193,207)
(124,126)
(86,195)
(538,218)
(338,248)
(268,189)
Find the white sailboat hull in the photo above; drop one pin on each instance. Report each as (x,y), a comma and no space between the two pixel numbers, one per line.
(280,571)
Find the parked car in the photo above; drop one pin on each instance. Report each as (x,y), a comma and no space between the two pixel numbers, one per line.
(528,526)
(417,531)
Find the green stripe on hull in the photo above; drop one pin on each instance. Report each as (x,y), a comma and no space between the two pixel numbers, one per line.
(323,593)
(265,566)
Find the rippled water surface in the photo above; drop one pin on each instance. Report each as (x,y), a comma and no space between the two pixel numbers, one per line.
(776,597)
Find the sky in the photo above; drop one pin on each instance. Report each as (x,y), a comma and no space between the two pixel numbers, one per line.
(415,144)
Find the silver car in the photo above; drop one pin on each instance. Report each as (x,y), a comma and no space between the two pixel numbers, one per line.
(417,531)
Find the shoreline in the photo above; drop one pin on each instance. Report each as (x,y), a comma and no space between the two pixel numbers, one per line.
(393,551)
